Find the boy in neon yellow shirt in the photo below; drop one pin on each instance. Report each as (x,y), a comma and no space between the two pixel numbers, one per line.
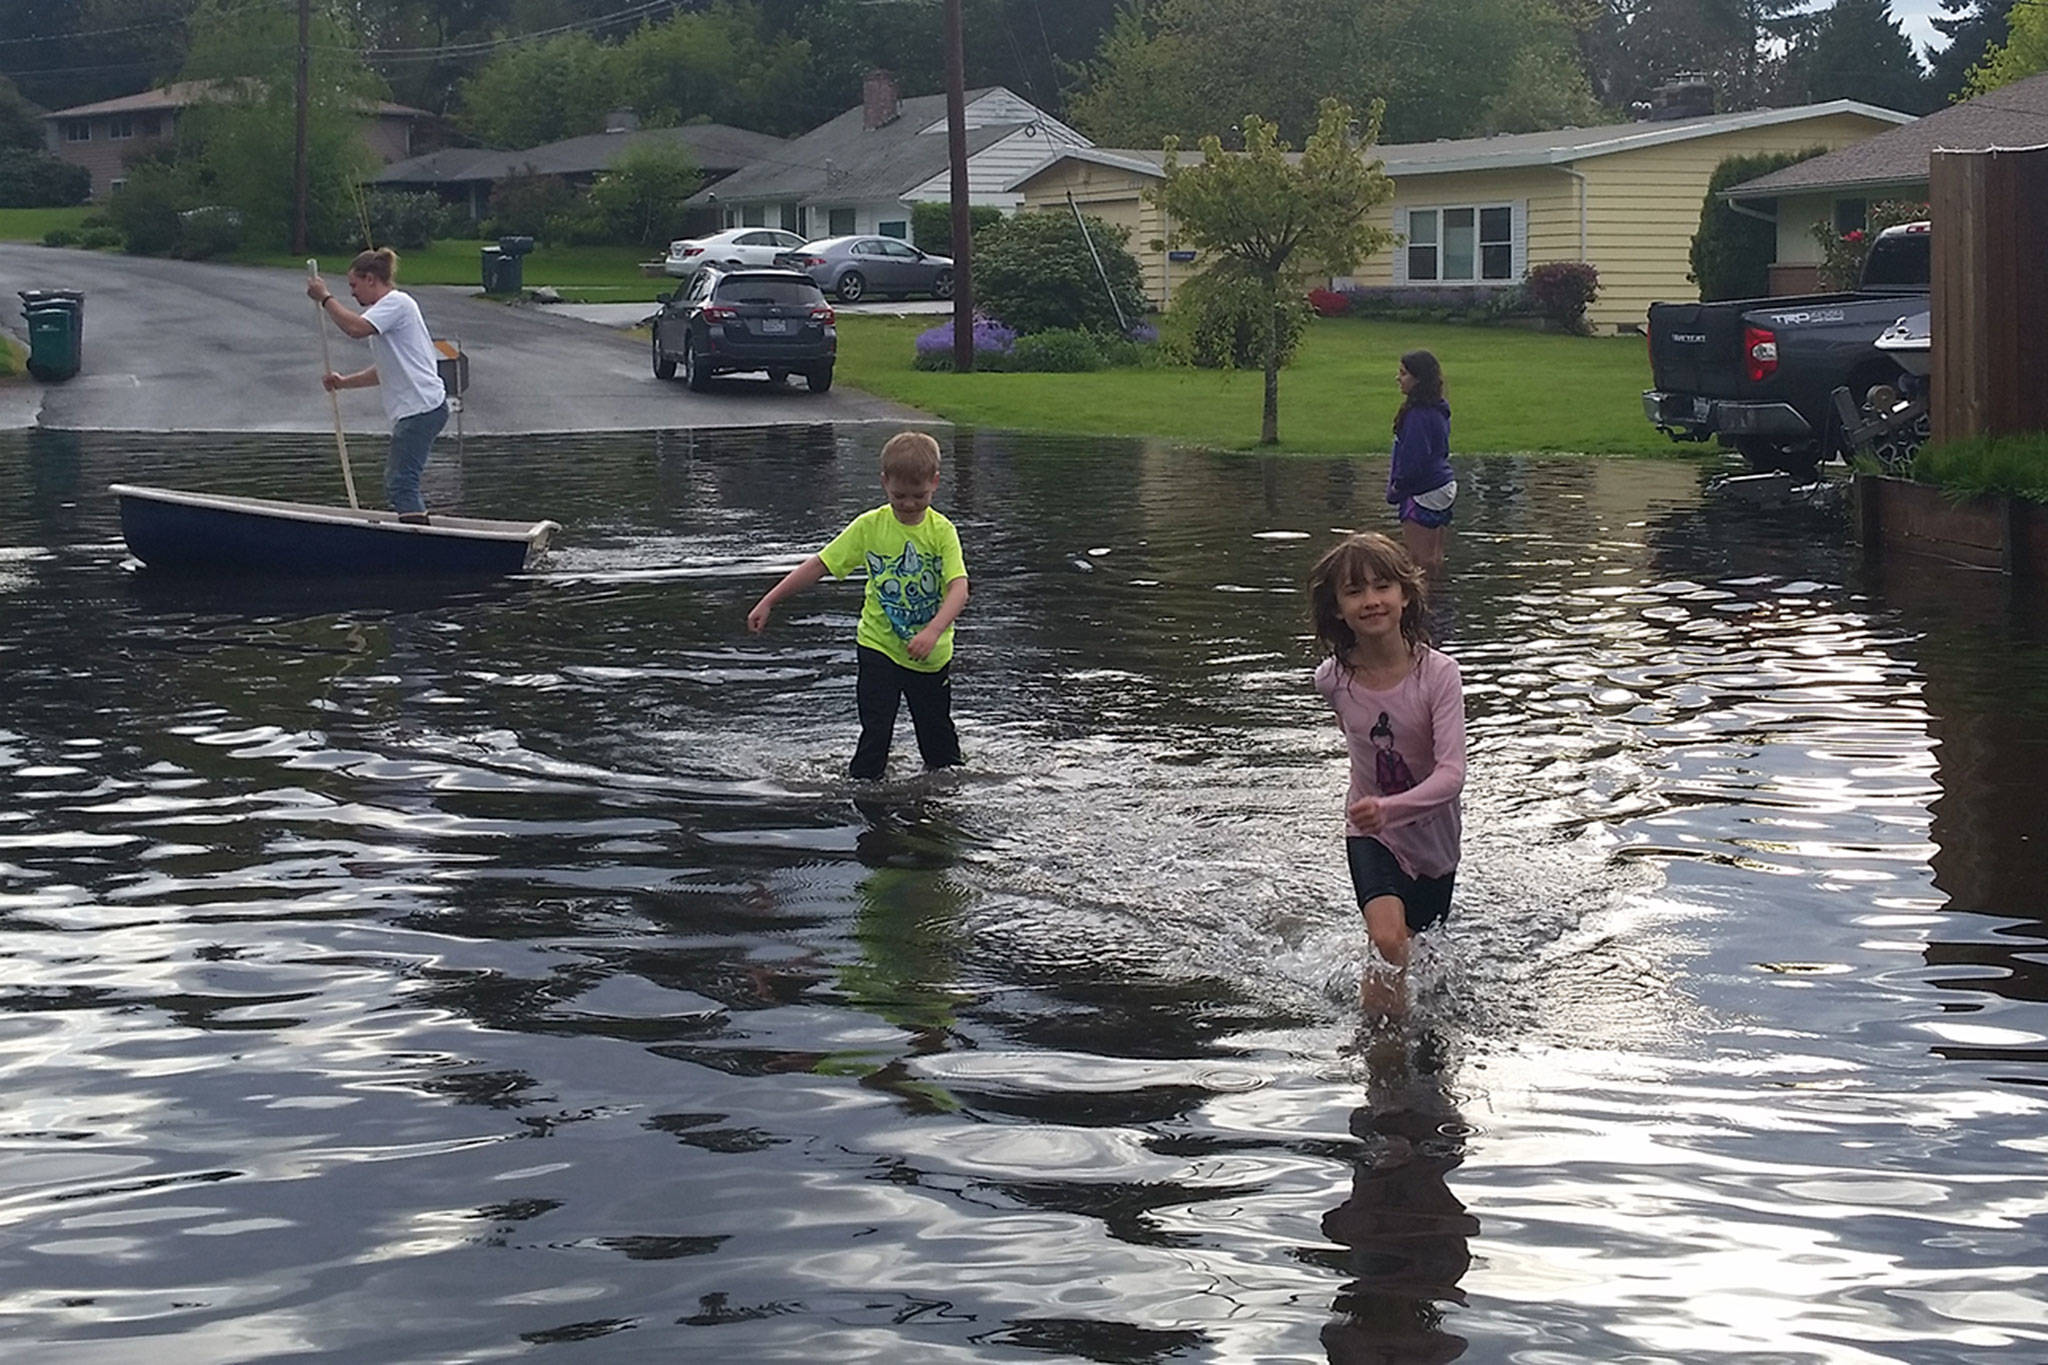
(917,586)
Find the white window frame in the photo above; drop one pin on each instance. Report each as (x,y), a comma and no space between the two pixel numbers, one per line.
(1515,243)
(120,127)
(77,130)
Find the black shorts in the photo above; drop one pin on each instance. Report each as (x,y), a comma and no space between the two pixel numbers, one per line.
(1425,901)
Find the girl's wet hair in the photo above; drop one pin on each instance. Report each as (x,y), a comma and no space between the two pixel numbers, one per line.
(1353,562)
(1429,382)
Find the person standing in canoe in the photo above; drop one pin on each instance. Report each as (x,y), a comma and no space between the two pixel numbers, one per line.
(402,367)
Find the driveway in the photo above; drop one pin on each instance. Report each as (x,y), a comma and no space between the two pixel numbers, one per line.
(191,346)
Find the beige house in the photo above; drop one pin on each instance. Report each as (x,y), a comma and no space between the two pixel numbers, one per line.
(1476,213)
(101,137)
(1837,189)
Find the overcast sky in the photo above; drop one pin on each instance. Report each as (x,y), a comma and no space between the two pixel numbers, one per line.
(1913,16)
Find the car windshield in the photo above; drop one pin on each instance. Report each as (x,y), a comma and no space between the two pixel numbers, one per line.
(769,291)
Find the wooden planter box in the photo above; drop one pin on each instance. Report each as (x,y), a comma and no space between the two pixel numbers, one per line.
(1901,516)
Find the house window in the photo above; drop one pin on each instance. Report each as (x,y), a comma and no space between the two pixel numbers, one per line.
(116,186)
(120,127)
(1469,244)
(1850,214)
(77,130)
(893,227)
(752,215)
(792,218)
(839,223)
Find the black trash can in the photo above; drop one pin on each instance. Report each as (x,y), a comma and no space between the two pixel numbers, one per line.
(56,331)
(494,271)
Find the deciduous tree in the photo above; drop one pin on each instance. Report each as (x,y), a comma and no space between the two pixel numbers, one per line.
(2024,52)
(1275,218)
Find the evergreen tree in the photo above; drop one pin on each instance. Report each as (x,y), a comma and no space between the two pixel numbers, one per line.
(1972,27)
(1856,50)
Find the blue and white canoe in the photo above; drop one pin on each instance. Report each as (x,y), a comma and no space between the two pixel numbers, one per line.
(212,533)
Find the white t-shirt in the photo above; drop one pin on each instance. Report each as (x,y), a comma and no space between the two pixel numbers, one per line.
(403,353)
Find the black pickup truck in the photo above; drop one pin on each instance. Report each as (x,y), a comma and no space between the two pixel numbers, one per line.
(1760,374)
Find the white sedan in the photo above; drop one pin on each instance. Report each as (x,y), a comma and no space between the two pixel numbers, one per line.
(733,247)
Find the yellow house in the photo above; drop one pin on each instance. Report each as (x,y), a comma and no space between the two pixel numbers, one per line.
(1476,213)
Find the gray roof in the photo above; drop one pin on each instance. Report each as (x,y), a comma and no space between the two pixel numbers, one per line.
(2015,115)
(715,147)
(842,161)
(1558,146)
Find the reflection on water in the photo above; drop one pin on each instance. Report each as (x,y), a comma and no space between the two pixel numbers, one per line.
(444,973)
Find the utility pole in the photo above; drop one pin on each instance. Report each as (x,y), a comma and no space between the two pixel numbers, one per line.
(956,146)
(305,94)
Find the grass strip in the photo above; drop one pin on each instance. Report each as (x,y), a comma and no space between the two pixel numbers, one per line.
(1510,391)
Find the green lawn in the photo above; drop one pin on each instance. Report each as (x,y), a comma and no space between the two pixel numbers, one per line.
(1510,391)
(31,225)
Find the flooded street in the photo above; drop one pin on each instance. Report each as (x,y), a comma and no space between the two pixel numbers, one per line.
(507,971)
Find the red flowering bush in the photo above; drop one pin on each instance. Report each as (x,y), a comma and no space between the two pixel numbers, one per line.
(1328,303)
(1561,291)
(1842,253)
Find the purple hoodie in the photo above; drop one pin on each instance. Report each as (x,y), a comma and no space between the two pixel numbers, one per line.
(1422,451)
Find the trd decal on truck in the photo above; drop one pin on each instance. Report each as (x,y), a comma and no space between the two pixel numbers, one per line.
(1795,319)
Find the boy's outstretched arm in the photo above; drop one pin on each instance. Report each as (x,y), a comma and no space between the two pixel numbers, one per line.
(955,601)
(793,582)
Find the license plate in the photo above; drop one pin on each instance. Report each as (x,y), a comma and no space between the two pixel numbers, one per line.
(1702,408)
(773,327)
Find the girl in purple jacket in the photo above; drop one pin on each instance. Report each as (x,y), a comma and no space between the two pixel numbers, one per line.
(1419,480)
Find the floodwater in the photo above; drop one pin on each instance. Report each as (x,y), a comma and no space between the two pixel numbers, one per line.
(507,972)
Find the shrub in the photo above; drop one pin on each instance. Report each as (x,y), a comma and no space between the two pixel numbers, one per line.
(931,224)
(1328,303)
(405,221)
(208,231)
(95,238)
(62,237)
(522,204)
(636,199)
(1561,291)
(34,180)
(1063,350)
(1732,252)
(1842,253)
(993,343)
(1035,272)
(1222,318)
(147,208)
(455,223)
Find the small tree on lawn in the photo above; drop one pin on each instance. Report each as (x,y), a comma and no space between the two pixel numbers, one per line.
(1274,220)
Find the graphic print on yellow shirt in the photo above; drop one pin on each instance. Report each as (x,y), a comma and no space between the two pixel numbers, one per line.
(908,568)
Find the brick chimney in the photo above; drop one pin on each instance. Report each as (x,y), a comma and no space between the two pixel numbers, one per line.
(880,104)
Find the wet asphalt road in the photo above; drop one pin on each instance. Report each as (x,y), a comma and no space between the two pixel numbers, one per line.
(194,346)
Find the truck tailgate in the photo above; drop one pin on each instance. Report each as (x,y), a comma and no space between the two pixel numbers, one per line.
(1697,348)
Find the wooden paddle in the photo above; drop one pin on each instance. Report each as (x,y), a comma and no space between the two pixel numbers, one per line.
(348,475)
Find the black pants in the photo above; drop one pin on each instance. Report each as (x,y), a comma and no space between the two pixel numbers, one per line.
(880,684)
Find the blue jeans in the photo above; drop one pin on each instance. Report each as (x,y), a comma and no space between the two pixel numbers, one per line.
(412,440)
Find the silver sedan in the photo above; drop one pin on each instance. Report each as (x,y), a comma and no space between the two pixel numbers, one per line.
(853,268)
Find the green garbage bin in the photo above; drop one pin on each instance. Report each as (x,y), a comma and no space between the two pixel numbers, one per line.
(56,331)
(497,275)
(515,249)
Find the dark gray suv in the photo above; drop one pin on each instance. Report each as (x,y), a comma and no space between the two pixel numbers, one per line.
(730,320)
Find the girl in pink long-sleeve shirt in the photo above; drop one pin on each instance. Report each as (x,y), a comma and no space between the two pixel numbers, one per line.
(1402,710)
